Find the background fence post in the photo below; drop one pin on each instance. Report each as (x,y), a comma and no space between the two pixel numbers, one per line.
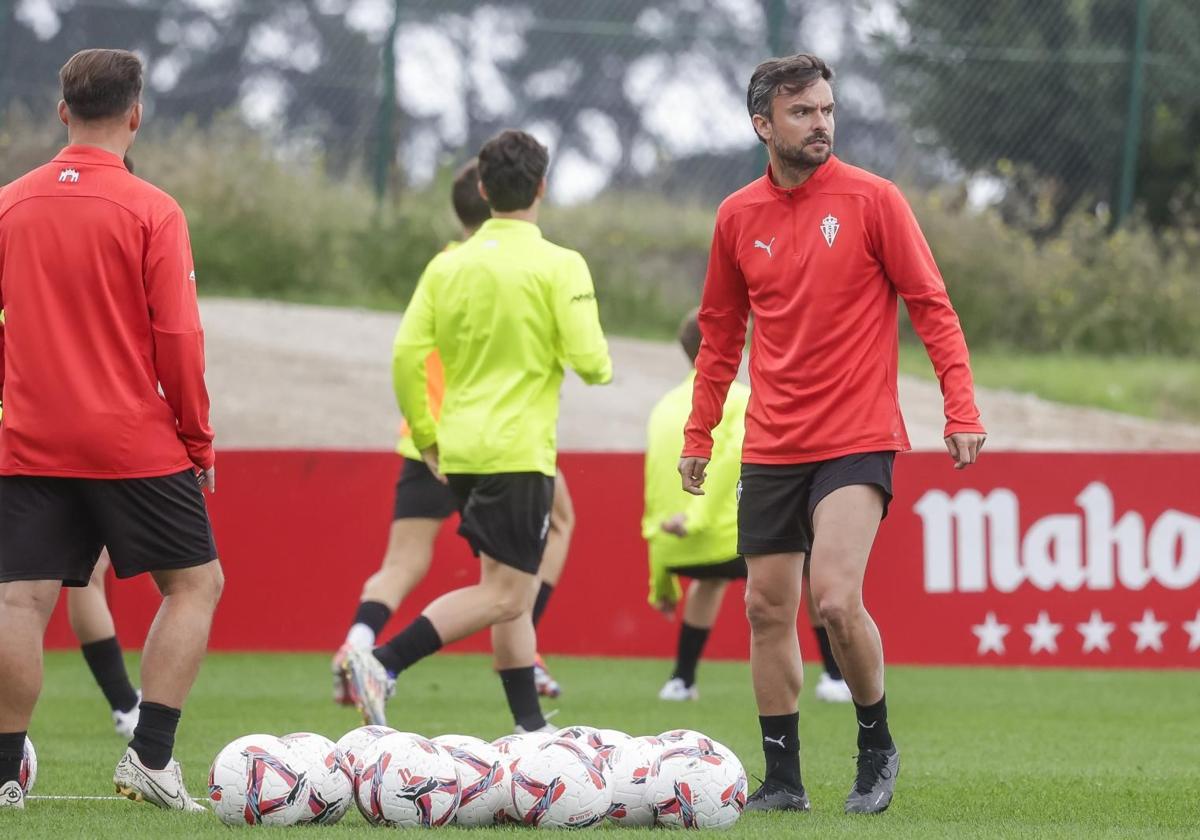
(1133,120)
(384,147)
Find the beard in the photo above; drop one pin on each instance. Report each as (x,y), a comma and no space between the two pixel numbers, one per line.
(803,156)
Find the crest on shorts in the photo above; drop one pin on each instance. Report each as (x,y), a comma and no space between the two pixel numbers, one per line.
(829,229)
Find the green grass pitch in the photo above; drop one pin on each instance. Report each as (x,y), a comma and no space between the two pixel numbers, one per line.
(986,752)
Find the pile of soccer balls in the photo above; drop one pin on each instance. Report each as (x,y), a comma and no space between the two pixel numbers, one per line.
(575,778)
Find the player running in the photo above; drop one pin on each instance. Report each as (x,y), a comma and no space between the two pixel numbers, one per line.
(696,536)
(423,503)
(105,437)
(504,310)
(818,250)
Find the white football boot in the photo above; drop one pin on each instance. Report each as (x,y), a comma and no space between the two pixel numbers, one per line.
(830,690)
(11,795)
(126,722)
(163,788)
(676,691)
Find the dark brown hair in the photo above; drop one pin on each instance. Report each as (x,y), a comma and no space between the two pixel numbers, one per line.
(782,75)
(511,166)
(689,334)
(469,206)
(99,84)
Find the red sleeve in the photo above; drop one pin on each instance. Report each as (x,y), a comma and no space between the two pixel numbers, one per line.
(178,338)
(909,265)
(723,312)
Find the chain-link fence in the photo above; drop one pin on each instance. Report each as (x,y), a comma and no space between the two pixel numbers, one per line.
(1034,105)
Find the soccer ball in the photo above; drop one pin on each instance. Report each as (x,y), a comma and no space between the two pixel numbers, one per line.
(697,791)
(464,741)
(483,773)
(331,782)
(27,774)
(562,785)
(606,741)
(354,742)
(689,738)
(256,780)
(407,782)
(576,733)
(631,766)
(513,747)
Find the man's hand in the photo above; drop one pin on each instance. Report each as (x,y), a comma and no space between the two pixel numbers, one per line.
(430,457)
(676,525)
(692,472)
(964,448)
(667,608)
(207,479)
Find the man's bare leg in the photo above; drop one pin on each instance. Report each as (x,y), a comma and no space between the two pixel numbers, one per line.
(772,605)
(514,645)
(845,523)
(831,688)
(171,657)
(25,609)
(92,622)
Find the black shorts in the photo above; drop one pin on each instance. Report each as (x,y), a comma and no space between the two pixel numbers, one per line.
(54,528)
(776,501)
(506,516)
(734,569)
(421,496)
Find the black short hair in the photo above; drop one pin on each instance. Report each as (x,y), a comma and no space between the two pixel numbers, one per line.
(100,84)
(511,166)
(469,206)
(689,334)
(782,75)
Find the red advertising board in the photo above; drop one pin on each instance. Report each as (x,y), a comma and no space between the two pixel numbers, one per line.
(1024,559)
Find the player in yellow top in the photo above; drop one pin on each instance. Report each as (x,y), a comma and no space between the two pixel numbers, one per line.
(505,310)
(696,536)
(422,503)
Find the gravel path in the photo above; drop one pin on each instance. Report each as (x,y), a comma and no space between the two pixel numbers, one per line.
(294,376)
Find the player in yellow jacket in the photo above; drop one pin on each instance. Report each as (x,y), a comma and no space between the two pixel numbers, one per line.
(505,311)
(422,504)
(696,536)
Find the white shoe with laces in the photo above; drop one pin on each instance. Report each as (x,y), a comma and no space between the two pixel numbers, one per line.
(676,691)
(126,722)
(11,795)
(830,690)
(163,788)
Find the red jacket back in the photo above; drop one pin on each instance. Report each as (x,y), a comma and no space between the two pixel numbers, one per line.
(101,349)
(820,267)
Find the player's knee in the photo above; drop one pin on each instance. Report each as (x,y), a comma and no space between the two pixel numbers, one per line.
(766,610)
(838,610)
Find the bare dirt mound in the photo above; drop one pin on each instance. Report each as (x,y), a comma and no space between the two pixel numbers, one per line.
(293,376)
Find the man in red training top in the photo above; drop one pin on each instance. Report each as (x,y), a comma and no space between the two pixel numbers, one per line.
(105,439)
(818,250)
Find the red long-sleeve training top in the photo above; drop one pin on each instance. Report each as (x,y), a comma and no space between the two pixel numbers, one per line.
(98,290)
(820,266)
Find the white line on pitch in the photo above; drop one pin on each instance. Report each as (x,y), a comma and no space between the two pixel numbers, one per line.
(87,798)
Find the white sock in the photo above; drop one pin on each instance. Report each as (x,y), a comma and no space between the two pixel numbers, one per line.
(360,636)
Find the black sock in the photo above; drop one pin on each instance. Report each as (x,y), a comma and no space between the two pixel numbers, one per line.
(543,598)
(373,614)
(108,667)
(410,645)
(827,658)
(522,696)
(154,738)
(873,731)
(781,747)
(687,655)
(12,750)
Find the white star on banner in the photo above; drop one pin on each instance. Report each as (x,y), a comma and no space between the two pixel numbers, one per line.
(1043,635)
(1149,632)
(991,635)
(1193,630)
(1095,633)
